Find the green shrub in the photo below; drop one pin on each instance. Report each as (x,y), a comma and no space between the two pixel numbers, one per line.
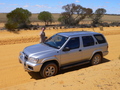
(11,26)
(17,19)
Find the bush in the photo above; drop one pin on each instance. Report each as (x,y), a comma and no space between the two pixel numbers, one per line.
(46,17)
(11,26)
(17,19)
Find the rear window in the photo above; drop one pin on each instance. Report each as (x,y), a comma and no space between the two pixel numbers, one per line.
(88,41)
(100,39)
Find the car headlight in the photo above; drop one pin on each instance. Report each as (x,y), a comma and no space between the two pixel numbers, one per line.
(33,60)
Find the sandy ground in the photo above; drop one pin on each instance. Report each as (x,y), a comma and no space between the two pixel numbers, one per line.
(25,36)
(105,76)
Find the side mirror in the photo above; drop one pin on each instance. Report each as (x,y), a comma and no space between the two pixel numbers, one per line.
(66,49)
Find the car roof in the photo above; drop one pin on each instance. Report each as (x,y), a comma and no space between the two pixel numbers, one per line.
(75,33)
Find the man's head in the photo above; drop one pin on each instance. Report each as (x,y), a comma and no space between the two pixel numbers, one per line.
(43,28)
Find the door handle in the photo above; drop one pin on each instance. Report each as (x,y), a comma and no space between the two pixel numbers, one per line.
(80,50)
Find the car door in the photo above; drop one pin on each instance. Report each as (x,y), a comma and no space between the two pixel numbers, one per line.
(73,54)
(88,46)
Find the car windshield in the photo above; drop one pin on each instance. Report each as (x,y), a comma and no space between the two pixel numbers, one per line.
(56,41)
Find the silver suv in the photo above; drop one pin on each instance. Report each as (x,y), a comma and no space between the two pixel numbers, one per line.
(64,50)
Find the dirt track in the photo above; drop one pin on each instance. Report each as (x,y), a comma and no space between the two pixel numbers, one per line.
(12,73)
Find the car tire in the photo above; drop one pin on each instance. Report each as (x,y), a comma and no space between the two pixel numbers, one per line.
(96,59)
(48,70)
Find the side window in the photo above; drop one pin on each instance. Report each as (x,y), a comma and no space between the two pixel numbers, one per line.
(100,39)
(88,41)
(73,43)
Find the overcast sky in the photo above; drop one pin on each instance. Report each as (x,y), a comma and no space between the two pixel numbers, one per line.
(55,6)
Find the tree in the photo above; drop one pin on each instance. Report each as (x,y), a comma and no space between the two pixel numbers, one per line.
(46,17)
(74,14)
(17,18)
(97,16)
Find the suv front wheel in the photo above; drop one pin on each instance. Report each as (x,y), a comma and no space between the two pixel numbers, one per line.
(96,59)
(49,69)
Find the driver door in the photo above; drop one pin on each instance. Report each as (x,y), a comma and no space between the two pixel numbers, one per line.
(73,54)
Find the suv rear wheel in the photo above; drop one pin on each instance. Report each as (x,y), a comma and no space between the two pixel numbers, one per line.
(96,59)
(49,69)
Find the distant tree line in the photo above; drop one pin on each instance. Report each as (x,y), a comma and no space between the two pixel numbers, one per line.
(19,19)
(73,15)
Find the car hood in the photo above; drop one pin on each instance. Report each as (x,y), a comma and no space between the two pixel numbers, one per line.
(39,50)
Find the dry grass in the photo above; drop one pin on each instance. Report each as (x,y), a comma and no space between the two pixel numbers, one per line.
(34,17)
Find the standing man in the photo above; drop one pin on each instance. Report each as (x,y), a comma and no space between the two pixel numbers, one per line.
(42,35)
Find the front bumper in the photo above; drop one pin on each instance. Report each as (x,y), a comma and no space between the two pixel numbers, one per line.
(28,66)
